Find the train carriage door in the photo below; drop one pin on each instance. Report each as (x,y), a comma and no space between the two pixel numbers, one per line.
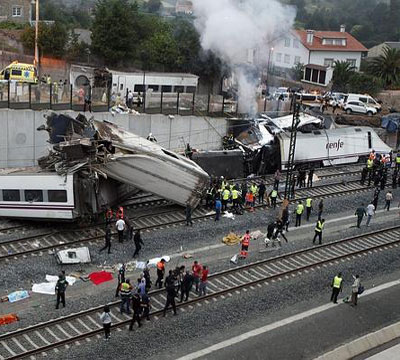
(121,85)
(369,140)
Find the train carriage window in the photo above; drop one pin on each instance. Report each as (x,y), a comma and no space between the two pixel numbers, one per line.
(179,89)
(155,88)
(190,89)
(11,195)
(57,195)
(34,195)
(166,88)
(140,88)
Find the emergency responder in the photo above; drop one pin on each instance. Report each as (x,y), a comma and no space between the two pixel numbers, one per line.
(370,169)
(223,183)
(225,198)
(145,304)
(254,190)
(126,293)
(360,212)
(244,190)
(218,207)
(188,214)
(189,151)
(279,230)
(61,286)
(372,155)
(171,294)
(137,309)
(337,285)
(209,197)
(309,206)
(318,231)
(138,242)
(146,276)
(121,278)
(261,191)
(196,271)
(364,174)
(398,161)
(107,238)
(245,244)
(299,213)
(120,213)
(273,196)
(235,198)
(277,178)
(120,225)
(160,273)
(286,218)
(109,217)
(310,178)
(320,208)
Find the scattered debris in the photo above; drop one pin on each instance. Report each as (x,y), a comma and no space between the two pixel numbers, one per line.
(229,215)
(100,277)
(187,256)
(235,259)
(74,256)
(8,319)
(231,239)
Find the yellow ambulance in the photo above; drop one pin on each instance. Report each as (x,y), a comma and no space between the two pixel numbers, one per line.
(19,72)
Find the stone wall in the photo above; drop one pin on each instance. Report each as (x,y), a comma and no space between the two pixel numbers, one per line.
(22,145)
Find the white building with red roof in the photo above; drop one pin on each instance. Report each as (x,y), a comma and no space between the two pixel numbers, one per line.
(317,50)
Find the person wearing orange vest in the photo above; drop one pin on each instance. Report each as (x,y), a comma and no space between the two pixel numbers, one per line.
(372,155)
(160,273)
(245,244)
(109,216)
(120,213)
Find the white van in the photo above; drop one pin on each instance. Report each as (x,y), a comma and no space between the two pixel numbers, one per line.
(369,101)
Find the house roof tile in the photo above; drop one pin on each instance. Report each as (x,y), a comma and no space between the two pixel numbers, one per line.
(352,44)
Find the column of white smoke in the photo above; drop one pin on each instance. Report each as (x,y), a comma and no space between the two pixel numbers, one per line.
(229,28)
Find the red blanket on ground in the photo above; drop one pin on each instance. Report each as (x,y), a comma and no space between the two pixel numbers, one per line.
(99,277)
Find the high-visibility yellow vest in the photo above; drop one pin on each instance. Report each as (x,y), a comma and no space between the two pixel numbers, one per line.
(300,209)
(370,163)
(337,282)
(226,194)
(274,194)
(397,159)
(309,202)
(253,189)
(319,226)
(235,194)
(231,187)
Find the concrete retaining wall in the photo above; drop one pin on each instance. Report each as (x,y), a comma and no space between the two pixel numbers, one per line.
(22,145)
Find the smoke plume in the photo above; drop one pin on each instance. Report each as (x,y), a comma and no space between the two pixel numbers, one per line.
(232,28)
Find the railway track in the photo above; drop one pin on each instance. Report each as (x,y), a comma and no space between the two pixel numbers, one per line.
(44,337)
(53,241)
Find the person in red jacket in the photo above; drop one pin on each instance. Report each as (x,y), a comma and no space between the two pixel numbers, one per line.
(203,281)
(245,244)
(196,269)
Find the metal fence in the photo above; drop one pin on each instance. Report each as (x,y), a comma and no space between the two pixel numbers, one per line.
(55,96)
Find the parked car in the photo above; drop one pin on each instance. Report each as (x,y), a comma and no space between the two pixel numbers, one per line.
(359,107)
(369,101)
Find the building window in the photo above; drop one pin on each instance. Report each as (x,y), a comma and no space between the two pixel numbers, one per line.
(16,11)
(352,62)
(338,42)
(287,59)
(328,62)
(297,59)
(287,42)
(322,77)
(278,57)
(296,43)
(307,74)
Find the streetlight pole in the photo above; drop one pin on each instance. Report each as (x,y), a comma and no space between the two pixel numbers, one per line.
(37,35)
(266,79)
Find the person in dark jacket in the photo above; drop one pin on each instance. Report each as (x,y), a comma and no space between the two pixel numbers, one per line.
(188,213)
(61,286)
(360,212)
(137,309)
(138,242)
(107,238)
(186,285)
(171,294)
(145,304)
(121,279)
(261,192)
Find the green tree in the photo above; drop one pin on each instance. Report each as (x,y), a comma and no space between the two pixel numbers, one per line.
(52,39)
(360,83)
(297,71)
(386,66)
(153,6)
(77,50)
(114,35)
(342,74)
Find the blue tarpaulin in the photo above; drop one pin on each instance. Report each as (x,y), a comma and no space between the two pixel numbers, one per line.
(391,122)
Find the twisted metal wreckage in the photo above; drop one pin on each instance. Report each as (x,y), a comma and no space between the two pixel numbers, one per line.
(111,164)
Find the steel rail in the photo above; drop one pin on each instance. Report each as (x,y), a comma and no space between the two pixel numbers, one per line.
(389,232)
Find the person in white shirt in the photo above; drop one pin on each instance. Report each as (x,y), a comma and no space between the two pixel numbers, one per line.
(120,225)
(105,318)
(354,289)
(370,212)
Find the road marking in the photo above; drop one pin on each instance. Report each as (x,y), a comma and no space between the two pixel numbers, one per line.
(278,324)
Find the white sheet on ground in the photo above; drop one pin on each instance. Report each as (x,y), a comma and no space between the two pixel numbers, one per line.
(48,288)
(54,278)
(153,262)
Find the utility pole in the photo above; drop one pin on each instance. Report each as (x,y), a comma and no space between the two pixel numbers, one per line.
(37,36)
(292,147)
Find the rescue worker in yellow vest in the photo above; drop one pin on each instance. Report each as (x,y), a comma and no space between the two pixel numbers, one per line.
(273,196)
(337,284)
(225,198)
(318,231)
(254,190)
(309,206)
(235,198)
(299,212)
(223,183)
(126,294)
(370,168)
(398,161)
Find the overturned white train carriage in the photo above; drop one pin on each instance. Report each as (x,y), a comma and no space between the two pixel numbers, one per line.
(30,193)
